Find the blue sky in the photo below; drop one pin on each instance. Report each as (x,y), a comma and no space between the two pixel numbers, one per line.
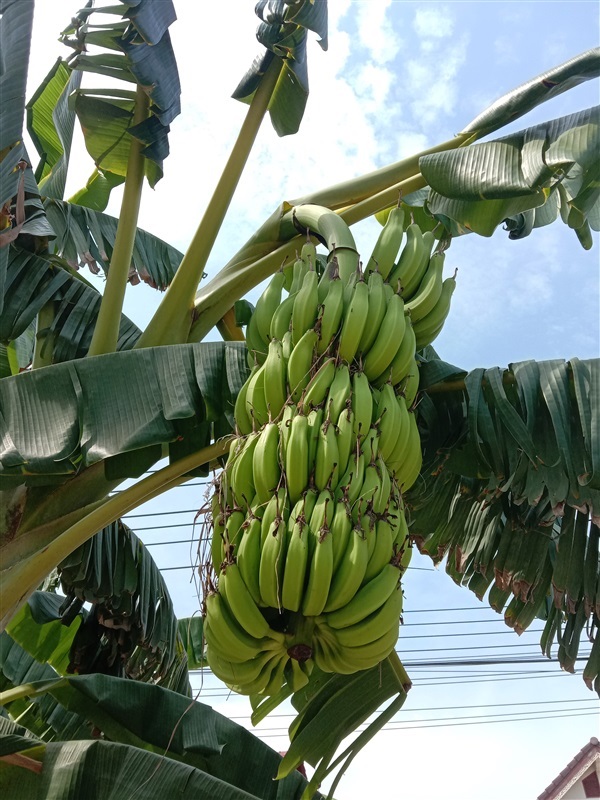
(398,77)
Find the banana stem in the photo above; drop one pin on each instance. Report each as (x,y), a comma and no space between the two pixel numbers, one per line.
(173,318)
(106,331)
(22,579)
(42,353)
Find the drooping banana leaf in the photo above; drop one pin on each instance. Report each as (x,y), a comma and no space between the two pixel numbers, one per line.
(137,52)
(114,405)
(86,237)
(283,32)
(215,751)
(509,492)
(480,186)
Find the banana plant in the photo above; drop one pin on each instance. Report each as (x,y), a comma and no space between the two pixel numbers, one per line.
(127,400)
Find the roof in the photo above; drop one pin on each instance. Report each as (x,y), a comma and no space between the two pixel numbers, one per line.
(574,770)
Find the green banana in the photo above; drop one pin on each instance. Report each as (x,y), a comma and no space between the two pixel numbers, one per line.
(345,438)
(388,341)
(411,286)
(296,560)
(388,243)
(327,457)
(320,569)
(233,532)
(428,328)
(397,370)
(382,552)
(381,498)
(355,320)
(315,420)
(267,304)
(266,465)
(430,289)
(257,346)
(282,318)
(318,386)
(411,258)
(373,626)
(388,413)
(242,605)
(297,458)
(362,403)
(243,421)
(256,404)
(225,632)
(410,387)
(341,526)
(378,301)
(299,270)
(248,555)
(275,385)
(367,656)
(272,563)
(300,363)
(406,470)
(339,391)
(306,305)
(350,573)
(352,481)
(367,600)
(242,473)
(331,314)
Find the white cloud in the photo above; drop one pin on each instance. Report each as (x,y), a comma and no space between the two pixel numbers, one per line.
(375,30)
(433,23)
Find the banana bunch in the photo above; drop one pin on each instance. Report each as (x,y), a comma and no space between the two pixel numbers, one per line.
(309,535)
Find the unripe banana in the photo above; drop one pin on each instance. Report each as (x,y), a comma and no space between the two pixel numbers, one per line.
(367,600)
(256,404)
(289,412)
(341,527)
(287,346)
(345,438)
(242,605)
(233,532)
(355,319)
(275,378)
(350,572)
(327,457)
(388,413)
(378,301)
(362,403)
(318,386)
(267,304)
(242,472)
(381,498)
(411,257)
(265,462)
(399,450)
(217,543)
(300,363)
(282,318)
(429,326)
(388,243)
(296,559)
(410,387)
(276,508)
(257,347)
(224,631)
(429,290)
(298,272)
(243,421)
(297,458)
(331,315)
(339,391)
(369,445)
(352,481)
(306,306)
(315,420)
(402,361)
(388,341)
(368,655)
(411,286)
(248,556)
(407,469)
(320,570)
(235,673)
(272,563)
(382,552)
(375,625)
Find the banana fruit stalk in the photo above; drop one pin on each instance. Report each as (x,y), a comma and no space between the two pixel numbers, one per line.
(310,540)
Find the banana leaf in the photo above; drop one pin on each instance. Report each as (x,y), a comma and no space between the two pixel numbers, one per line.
(86,237)
(481,186)
(178,732)
(509,455)
(283,32)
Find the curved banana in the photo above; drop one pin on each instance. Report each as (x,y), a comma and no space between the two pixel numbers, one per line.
(315,420)
(355,319)
(275,379)
(256,404)
(388,341)
(429,290)
(375,625)
(243,421)
(341,527)
(407,470)
(242,605)
(248,556)
(382,552)
(339,391)
(331,314)
(388,413)
(266,465)
(242,473)
(350,572)
(282,318)
(297,458)
(320,571)
(362,403)
(272,563)
(411,258)
(267,304)
(300,362)
(224,631)
(388,243)
(428,328)
(378,301)
(367,600)
(327,456)
(306,306)
(412,284)
(345,438)
(397,370)
(318,386)
(296,560)
(410,387)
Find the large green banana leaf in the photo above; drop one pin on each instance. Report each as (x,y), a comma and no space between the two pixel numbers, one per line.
(283,32)
(480,186)
(85,236)
(186,733)
(71,305)
(509,492)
